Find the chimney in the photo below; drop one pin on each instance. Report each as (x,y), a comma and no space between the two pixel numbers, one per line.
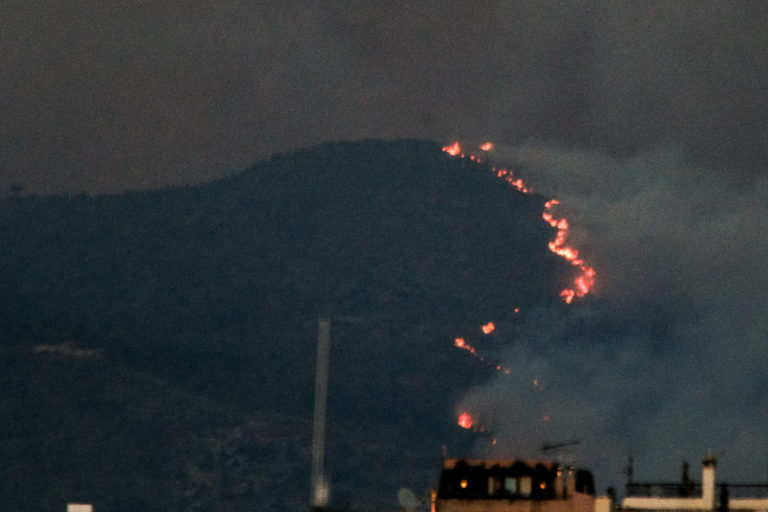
(559,483)
(686,479)
(708,481)
(570,482)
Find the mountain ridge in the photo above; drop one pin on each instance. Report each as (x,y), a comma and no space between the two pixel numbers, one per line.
(215,290)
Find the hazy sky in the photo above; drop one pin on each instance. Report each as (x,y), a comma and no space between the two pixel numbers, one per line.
(649,120)
(115,95)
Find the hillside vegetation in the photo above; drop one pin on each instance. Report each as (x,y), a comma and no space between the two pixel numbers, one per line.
(194,310)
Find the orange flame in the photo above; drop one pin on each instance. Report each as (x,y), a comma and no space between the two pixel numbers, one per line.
(584,282)
(487,329)
(461,343)
(453,150)
(465,420)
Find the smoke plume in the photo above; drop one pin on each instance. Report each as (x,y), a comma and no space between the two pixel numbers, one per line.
(109,96)
(667,361)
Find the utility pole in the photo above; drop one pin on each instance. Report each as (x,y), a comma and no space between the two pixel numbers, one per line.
(320,487)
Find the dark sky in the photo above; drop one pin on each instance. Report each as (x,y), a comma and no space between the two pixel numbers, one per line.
(109,96)
(649,120)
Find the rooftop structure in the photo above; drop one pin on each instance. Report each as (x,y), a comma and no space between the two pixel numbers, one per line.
(690,496)
(79,507)
(503,485)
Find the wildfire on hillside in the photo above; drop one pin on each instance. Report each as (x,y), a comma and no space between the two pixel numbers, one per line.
(582,284)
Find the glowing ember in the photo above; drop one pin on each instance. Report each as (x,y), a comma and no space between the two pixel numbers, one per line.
(584,282)
(462,343)
(487,146)
(465,420)
(453,150)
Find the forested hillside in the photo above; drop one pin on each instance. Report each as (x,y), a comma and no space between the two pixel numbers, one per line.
(157,347)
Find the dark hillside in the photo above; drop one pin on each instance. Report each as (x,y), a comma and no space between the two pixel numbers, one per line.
(214,291)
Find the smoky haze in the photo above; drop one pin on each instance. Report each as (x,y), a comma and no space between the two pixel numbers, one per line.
(109,96)
(648,120)
(666,362)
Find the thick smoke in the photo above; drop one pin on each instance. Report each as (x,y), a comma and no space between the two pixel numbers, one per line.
(667,361)
(108,96)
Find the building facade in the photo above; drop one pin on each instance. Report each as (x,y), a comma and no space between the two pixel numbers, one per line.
(497,485)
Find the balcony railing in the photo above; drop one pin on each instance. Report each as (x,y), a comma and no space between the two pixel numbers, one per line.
(663,490)
(680,490)
(745,490)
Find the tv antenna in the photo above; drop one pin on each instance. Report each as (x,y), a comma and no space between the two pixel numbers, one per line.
(559,447)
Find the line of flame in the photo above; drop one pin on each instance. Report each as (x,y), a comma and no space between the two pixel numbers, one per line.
(583,283)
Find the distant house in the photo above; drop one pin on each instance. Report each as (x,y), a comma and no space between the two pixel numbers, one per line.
(79,507)
(690,496)
(497,485)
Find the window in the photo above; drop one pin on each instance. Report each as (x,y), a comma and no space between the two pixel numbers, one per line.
(510,485)
(525,486)
(494,485)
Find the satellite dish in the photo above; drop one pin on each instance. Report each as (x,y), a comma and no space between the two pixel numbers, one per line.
(407,499)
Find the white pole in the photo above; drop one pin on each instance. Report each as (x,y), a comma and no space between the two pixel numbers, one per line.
(320,488)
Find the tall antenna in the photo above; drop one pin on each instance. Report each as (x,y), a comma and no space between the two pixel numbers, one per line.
(320,487)
(557,447)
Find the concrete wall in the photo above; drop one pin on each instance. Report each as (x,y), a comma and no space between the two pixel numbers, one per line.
(748,504)
(576,503)
(603,504)
(642,503)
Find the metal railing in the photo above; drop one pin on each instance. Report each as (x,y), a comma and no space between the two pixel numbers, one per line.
(745,490)
(691,490)
(663,490)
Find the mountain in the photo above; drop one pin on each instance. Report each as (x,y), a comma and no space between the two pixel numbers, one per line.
(157,347)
